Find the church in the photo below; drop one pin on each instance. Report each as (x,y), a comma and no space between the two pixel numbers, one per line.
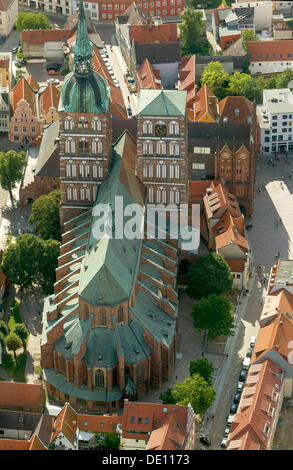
(110,328)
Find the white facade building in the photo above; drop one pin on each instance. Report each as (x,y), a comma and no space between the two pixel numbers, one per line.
(63,7)
(263,13)
(91,8)
(275,117)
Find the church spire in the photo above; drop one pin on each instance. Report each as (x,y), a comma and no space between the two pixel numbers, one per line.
(82,48)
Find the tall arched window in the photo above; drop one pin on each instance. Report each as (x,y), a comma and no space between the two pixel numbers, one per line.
(140,374)
(82,123)
(103,320)
(174,148)
(96,124)
(69,193)
(174,128)
(82,194)
(74,194)
(148,148)
(151,195)
(69,145)
(161,148)
(100,382)
(94,192)
(68,170)
(97,146)
(120,315)
(83,145)
(73,170)
(68,123)
(147,127)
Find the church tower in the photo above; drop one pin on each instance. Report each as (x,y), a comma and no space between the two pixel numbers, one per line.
(85,129)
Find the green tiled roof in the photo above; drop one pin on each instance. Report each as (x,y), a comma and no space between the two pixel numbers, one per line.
(59,381)
(162,103)
(101,347)
(134,346)
(110,265)
(74,333)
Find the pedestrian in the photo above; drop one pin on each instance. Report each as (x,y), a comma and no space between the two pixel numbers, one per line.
(281,221)
(278,254)
(273,165)
(277,223)
(290,176)
(283,177)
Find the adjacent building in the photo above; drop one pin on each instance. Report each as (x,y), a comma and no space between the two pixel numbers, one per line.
(15,396)
(275,117)
(8,16)
(64,7)
(48,106)
(4,109)
(269,56)
(47,43)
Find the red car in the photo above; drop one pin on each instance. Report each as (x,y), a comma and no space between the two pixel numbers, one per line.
(53,72)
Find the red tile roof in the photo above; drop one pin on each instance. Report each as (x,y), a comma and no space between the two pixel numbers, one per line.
(265,51)
(148,34)
(15,394)
(38,37)
(109,423)
(205,103)
(147,417)
(219,201)
(33,82)
(227,108)
(49,99)
(148,77)
(170,436)
(226,233)
(14,444)
(253,424)
(66,422)
(23,91)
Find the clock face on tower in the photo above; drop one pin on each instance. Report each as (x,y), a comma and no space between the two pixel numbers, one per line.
(160,130)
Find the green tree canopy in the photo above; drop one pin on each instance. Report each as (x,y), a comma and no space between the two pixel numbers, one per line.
(13,343)
(216,78)
(215,314)
(202,367)
(31,260)
(210,274)
(249,35)
(28,20)
(11,168)
(196,391)
(167,397)
(4,328)
(45,213)
(22,332)
(240,84)
(284,78)
(191,33)
(2,339)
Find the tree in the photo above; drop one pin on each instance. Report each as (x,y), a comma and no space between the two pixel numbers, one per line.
(196,391)
(13,343)
(21,331)
(202,367)
(19,74)
(284,78)
(11,168)
(111,441)
(249,35)
(210,274)
(2,340)
(216,78)
(31,260)
(45,213)
(240,84)
(167,397)
(19,54)
(4,328)
(191,30)
(27,20)
(215,314)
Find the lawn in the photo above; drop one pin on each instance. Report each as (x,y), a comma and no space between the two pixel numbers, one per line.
(14,317)
(16,371)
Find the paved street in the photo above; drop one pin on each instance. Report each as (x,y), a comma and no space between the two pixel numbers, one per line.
(265,241)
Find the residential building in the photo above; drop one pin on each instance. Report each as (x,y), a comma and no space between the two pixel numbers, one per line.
(48,108)
(275,117)
(205,106)
(148,77)
(22,426)
(38,4)
(64,7)
(92,425)
(283,7)
(224,152)
(236,110)
(153,426)
(162,145)
(65,433)
(4,109)
(281,30)
(24,122)
(15,396)
(47,43)
(92,9)
(255,422)
(100,345)
(226,232)
(5,69)
(8,16)
(269,56)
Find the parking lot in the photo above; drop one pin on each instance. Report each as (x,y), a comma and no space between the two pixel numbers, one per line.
(40,73)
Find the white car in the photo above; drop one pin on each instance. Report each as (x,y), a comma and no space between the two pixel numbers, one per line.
(51,80)
(246,362)
(56,81)
(224,442)
(240,386)
(252,341)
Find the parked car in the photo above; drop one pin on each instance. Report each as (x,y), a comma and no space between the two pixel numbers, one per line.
(50,80)
(2,39)
(56,81)
(205,440)
(129,112)
(252,341)
(15,49)
(242,375)
(237,398)
(233,409)
(226,432)
(224,443)
(249,352)
(20,62)
(131,80)
(245,363)
(240,386)
(53,72)
(230,421)
(54,65)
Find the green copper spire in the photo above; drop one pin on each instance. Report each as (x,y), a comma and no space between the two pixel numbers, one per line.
(82,48)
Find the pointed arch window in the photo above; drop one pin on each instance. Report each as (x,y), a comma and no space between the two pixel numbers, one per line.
(96,124)
(74,194)
(69,193)
(97,146)
(68,170)
(100,382)
(147,127)
(161,148)
(140,374)
(103,317)
(68,123)
(69,146)
(148,148)
(73,170)
(82,194)
(174,128)
(174,148)
(151,195)
(120,315)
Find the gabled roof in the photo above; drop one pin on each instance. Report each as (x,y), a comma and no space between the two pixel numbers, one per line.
(49,99)
(39,37)
(15,394)
(220,201)
(48,158)
(170,436)
(162,103)
(66,422)
(205,103)
(153,33)
(23,91)
(135,15)
(158,52)
(226,233)
(229,105)
(253,415)
(236,49)
(148,76)
(33,82)
(105,423)
(266,51)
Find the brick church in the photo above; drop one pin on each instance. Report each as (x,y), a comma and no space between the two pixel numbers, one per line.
(110,328)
